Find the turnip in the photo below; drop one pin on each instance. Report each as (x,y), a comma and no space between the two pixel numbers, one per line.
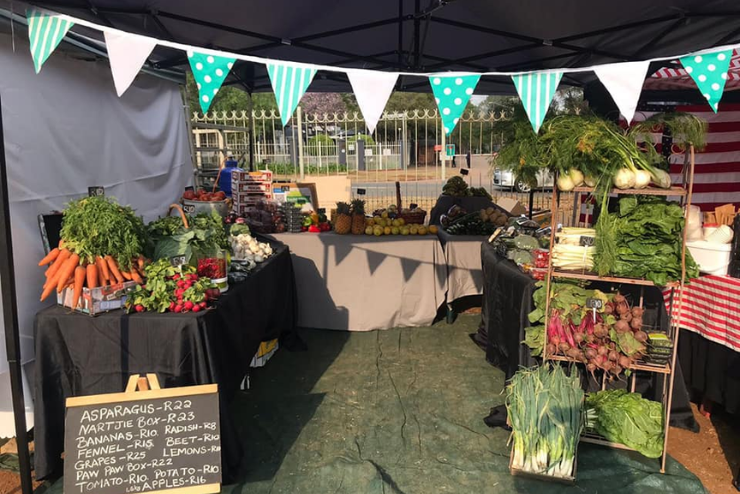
(636,323)
(589,180)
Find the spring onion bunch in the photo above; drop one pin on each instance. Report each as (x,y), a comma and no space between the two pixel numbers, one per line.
(544,407)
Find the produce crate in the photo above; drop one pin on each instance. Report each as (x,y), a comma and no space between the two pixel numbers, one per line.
(541,476)
(98,300)
(258,176)
(251,197)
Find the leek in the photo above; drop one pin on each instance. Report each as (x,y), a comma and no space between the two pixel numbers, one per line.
(544,407)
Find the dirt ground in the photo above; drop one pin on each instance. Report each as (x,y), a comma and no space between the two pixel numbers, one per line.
(713,454)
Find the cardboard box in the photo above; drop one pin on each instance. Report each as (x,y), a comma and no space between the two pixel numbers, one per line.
(512,206)
(259,176)
(252,197)
(243,209)
(98,300)
(237,187)
(296,193)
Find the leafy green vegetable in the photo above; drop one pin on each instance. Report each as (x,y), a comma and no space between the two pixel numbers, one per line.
(643,241)
(168,236)
(627,418)
(239,229)
(626,342)
(99,226)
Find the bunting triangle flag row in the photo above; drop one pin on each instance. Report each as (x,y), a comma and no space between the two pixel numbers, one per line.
(128,53)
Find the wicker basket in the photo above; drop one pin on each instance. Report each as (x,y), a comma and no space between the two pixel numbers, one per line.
(414,217)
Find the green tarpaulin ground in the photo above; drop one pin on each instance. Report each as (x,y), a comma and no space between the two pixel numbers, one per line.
(401,411)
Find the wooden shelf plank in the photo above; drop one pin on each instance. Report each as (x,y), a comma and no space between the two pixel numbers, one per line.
(675,190)
(587,438)
(639,366)
(578,275)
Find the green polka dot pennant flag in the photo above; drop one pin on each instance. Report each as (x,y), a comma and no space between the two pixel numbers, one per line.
(289,82)
(536,90)
(209,72)
(45,32)
(709,71)
(452,94)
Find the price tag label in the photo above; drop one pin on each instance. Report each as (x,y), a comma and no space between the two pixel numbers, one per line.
(594,303)
(178,261)
(587,241)
(188,208)
(322,211)
(464,171)
(96,190)
(285,188)
(413,206)
(189,187)
(361,192)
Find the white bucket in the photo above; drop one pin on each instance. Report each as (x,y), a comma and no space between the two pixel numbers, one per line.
(712,258)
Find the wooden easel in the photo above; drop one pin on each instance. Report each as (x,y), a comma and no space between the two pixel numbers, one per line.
(137,382)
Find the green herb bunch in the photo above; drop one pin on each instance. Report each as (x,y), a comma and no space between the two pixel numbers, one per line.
(99,226)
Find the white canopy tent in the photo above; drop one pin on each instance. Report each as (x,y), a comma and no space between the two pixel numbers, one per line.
(66,129)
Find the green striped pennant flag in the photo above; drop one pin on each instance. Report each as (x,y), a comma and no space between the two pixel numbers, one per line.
(289,82)
(45,31)
(536,90)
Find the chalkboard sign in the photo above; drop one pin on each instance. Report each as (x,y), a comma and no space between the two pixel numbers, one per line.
(586,241)
(96,190)
(177,261)
(161,440)
(361,192)
(188,208)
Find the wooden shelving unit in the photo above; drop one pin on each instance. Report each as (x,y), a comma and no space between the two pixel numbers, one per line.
(683,194)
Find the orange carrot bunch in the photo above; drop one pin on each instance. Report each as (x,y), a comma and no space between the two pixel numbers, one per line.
(67,269)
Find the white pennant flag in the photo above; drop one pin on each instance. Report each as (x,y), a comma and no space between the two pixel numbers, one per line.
(624,82)
(372,90)
(127,54)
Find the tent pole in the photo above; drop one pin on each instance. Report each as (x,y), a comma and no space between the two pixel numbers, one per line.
(251,132)
(10,320)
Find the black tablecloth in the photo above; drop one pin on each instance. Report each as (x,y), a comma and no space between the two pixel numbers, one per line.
(711,369)
(471,204)
(78,355)
(507,302)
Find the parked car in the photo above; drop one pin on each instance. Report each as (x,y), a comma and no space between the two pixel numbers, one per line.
(505,179)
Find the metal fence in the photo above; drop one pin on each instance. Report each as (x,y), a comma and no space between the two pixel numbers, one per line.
(406,147)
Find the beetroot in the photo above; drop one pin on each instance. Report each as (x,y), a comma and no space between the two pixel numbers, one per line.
(590,339)
(600,331)
(625,361)
(551,349)
(613,356)
(636,323)
(609,308)
(578,338)
(627,316)
(621,326)
(590,353)
(619,299)
(555,340)
(602,350)
(637,311)
(564,347)
(574,353)
(641,336)
(617,369)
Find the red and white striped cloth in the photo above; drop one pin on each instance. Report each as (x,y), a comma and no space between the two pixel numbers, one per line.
(717,166)
(675,77)
(710,307)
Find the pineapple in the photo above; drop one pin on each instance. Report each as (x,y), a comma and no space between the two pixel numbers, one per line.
(343,221)
(358,217)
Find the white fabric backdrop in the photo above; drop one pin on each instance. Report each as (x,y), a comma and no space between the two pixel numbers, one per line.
(66,129)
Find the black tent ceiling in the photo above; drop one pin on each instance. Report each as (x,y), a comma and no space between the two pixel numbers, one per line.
(419,35)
